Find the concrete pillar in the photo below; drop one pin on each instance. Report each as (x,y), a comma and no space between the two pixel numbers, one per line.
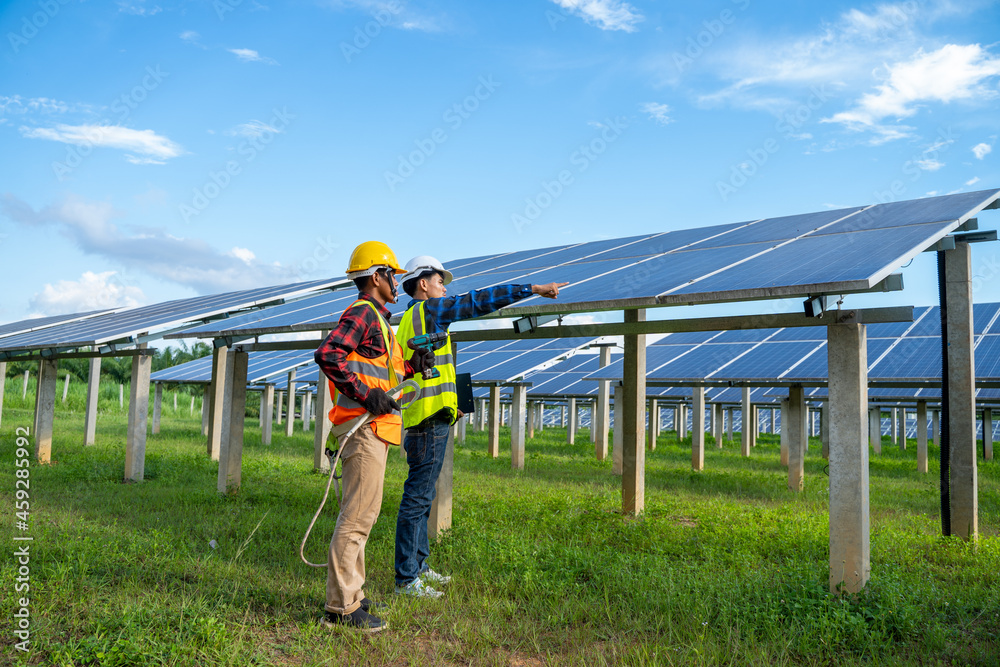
(206,404)
(157,407)
(698,429)
(729,424)
(796,438)
(321,435)
(493,446)
(571,429)
(936,427)
(191,409)
(633,417)
(517,423)
(987,433)
(719,424)
(121,396)
(772,429)
(593,415)
(783,440)
(290,411)
(901,425)
(306,408)
(655,418)
(603,407)
(231,452)
(961,378)
(651,428)
(461,429)
(93,392)
(441,508)
(922,436)
(850,533)
(824,430)
(541,415)
(562,417)
(746,430)
(138,416)
(279,408)
(875,429)
(894,427)
(532,416)
(24,386)
(267,413)
(45,409)
(65,388)
(175,402)
(616,443)
(218,388)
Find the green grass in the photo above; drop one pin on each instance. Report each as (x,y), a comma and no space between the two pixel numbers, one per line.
(725,566)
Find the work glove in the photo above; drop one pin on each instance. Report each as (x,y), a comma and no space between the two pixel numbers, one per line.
(422,360)
(378,402)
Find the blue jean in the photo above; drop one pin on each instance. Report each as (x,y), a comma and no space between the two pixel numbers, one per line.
(425,450)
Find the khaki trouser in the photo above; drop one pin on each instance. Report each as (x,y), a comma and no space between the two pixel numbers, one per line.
(363,461)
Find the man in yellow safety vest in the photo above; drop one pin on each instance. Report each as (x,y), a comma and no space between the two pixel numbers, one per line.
(428,419)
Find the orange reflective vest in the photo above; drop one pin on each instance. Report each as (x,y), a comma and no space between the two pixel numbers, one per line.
(375,373)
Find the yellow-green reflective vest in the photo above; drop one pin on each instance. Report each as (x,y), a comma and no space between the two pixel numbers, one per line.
(437,393)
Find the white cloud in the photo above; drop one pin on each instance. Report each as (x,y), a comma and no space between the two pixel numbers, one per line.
(949,74)
(15,104)
(185,261)
(253,129)
(972,181)
(93,291)
(981,150)
(151,147)
(251,56)
(243,254)
(930,164)
(138,8)
(605,14)
(657,112)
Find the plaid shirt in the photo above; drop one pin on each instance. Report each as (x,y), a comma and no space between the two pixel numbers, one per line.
(442,312)
(357,331)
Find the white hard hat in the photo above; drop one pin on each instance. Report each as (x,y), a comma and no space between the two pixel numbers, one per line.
(422,264)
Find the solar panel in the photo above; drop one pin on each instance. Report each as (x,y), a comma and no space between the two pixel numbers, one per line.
(260,365)
(312,313)
(36,323)
(126,324)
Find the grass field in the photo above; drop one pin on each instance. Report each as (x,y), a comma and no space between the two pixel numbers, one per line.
(724,567)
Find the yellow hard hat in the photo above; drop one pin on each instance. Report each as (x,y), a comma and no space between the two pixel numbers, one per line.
(369,257)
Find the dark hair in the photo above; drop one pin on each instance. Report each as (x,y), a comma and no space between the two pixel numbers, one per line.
(410,286)
(362,282)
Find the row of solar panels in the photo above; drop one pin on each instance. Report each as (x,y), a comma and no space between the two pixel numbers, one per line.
(824,252)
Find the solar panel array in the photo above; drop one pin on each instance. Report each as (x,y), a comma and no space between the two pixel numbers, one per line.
(34,324)
(901,352)
(261,365)
(124,325)
(824,252)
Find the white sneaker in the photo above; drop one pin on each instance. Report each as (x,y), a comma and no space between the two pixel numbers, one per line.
(433,577)
(418,589)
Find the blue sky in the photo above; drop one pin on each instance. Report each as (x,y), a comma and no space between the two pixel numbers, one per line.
(156,149)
